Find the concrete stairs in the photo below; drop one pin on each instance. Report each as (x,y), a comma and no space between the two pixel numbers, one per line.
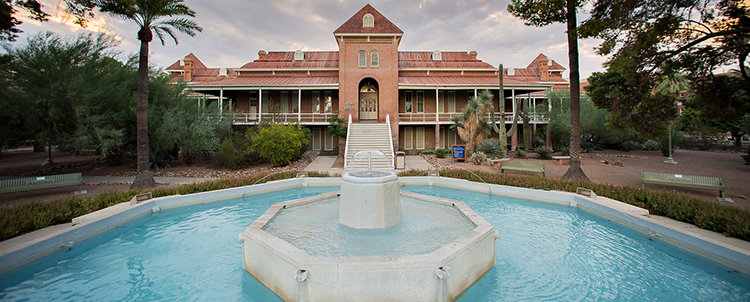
(367,137)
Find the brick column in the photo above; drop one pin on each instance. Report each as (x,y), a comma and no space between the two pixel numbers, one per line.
(437,136)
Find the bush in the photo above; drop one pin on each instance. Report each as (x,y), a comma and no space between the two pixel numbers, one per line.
(492,148)
(747,157)
(543,152)
(520,153)
(478,157)
(235,152)
(628,146)
(440,153)
(651,145)
(565,151)
(281,144)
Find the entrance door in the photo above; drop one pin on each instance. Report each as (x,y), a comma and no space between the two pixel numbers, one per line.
(368,103)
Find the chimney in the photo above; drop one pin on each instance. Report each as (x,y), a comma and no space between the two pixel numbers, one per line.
(261,54)
(188,68)
(473,54)
(544,69)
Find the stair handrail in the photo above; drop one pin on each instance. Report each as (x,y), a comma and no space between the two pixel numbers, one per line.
(390,139)
(346,148)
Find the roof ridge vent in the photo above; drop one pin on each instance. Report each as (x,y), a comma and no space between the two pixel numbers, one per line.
(299,55)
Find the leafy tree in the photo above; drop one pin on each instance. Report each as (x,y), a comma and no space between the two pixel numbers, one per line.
(543,13)
(337,126)
(12,129)
(148,15)
(46,81)
(559,118)
(724,103)
(8,22)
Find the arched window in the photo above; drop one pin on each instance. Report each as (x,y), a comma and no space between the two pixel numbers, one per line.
(375,58)
(362,58)
(368,21)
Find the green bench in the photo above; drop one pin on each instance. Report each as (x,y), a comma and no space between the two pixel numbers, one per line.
(684,180)
(41,182)
(523,166)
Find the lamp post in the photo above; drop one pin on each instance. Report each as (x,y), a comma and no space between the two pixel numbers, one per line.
(670,160)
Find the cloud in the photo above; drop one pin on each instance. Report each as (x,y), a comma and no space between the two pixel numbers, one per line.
(234,31)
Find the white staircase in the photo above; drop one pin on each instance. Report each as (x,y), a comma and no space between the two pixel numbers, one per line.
(367,137)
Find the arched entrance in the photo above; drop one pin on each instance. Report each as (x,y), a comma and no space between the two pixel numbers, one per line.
(368,100)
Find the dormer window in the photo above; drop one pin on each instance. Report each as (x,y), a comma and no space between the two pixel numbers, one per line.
(223,71)
(511,71)
(437,55)
(368,21)
(362,58)
(299,55)
(375,58)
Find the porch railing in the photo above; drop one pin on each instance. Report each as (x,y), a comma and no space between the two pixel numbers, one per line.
(447,116)
(245,117)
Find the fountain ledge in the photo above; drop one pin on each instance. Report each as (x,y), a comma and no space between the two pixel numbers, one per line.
(280,265)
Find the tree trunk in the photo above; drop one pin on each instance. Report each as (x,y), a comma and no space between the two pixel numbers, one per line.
(143,177)
(574,172)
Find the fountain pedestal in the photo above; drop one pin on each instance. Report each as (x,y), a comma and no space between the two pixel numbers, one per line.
(370,200)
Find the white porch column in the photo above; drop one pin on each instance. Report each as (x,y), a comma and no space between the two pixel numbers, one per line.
(513,98)
(437,103)
(221,100)
(299,105)
(260,104)
(475,92)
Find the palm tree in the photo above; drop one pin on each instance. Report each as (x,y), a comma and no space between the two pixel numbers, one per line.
(146,14)
(471,125)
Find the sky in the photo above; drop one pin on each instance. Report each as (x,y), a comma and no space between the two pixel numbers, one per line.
(235,30)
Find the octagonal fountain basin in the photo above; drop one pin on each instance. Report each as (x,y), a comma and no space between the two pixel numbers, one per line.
(300,251)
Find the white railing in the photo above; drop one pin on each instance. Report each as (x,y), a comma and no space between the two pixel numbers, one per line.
(447,117)
(390,140)
(252,117)
(346,149)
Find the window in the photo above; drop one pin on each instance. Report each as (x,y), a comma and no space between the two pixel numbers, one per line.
(375,58)
(295,102)
(316,102)
(316,139)
(327,102)
(407,138)
(407,103)
(441,102)
(368,21)
(437,55)
(299,55)
(362,58)
(264,100)
(420,138)
(420,101)
(451,101)
(329,142)
(443,139)
(284,101)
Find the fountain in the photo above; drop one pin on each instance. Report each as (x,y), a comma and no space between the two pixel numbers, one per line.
(371,243)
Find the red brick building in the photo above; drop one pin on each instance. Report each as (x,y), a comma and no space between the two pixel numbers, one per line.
(370,80)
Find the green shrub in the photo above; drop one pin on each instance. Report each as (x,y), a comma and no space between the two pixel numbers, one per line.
(281,144)
(520,153)
(440,153)
(651,145)
(543,152)
(630,145)
(564,151)
(677,137)
(493,148)
(228,156)
(747,157)
(235,152)
(478,157)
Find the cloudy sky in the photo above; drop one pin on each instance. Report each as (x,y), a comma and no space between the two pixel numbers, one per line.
(234,30)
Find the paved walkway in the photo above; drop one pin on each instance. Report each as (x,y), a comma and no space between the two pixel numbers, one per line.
(324,164)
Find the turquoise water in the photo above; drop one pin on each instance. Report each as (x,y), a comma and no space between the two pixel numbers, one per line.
(545,253)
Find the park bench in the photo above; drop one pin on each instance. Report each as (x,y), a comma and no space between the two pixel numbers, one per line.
(523,166)
(41,182)
(496,162)
(684,180)
(560,159)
